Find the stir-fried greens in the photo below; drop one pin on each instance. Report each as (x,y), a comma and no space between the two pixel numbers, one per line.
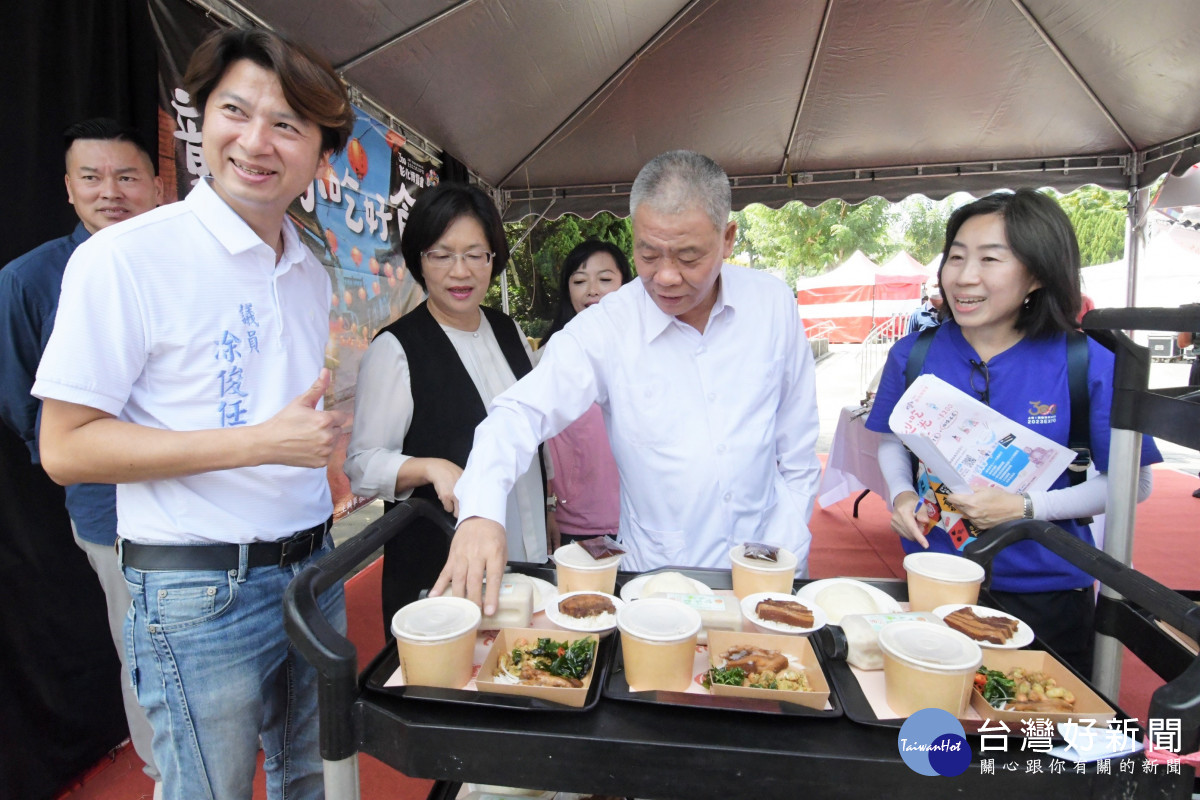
(995,687)
(572,660)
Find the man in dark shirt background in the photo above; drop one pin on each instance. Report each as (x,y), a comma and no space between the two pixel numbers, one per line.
(110,177)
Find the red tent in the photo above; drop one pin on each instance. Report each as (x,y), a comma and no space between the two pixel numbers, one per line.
(844,304)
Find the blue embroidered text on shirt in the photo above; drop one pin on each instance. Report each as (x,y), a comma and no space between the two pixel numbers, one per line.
(231,382)
(232,414)
(231,407)
(247,312)
(227,347)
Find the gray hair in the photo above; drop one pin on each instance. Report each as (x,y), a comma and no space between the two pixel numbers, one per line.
(680,179)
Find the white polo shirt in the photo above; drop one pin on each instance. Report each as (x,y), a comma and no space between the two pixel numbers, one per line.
(181,319)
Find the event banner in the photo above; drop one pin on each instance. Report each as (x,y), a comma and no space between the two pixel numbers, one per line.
(351,217)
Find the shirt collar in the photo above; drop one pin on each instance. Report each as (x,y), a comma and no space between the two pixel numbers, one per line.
(658,320)
(79,235)
(232,231)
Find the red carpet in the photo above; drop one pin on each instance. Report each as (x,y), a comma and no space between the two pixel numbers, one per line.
(842,546)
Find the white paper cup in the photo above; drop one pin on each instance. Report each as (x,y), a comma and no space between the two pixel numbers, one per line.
(658,644)
(752,575)
(579,572)
(939,579)
(436,641)
(927,666)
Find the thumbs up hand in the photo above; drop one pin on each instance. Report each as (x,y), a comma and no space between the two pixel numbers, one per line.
(300,435)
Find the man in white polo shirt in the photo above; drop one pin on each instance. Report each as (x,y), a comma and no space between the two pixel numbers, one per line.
(186,367)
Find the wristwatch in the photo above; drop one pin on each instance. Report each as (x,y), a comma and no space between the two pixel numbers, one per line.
(1028,505)
(551,503)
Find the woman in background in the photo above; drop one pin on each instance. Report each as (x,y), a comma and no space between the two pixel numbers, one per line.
(585,490)
(1010,281)
(426,381)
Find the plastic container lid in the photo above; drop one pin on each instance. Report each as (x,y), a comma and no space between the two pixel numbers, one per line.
(436,619)
(573,556)
(943,567)
(787,560)
(658,620)
(930,646)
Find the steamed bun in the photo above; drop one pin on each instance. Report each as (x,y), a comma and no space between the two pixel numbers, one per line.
(668,582)
(841,599)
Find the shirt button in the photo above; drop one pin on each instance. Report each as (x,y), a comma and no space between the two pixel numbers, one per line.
(728,496)
(720,448)
(700,350)
(711,397)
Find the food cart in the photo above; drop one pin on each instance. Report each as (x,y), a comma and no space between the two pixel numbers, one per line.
(669,751)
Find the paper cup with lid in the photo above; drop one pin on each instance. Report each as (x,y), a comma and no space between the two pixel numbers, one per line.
(754,575)
(436,640)
(939,579)
(578,572)
(658,644)
(926,665)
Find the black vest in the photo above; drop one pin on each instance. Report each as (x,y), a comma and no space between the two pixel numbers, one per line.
(446,409)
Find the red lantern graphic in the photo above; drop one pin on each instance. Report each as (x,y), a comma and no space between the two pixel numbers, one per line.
(331,237)
(358,158)
(356,256)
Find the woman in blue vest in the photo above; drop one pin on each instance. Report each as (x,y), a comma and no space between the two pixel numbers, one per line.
(426,381)
(1010,281)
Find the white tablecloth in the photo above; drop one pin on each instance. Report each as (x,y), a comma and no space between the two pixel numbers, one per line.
(853,463)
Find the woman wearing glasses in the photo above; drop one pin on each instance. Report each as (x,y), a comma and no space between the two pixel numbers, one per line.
(585,489)
(1010,279)
(426,381)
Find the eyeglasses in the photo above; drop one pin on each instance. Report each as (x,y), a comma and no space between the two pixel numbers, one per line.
(980,368)
(444,258)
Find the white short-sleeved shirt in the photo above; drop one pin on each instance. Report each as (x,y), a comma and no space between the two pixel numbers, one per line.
(181,319)
(714,434)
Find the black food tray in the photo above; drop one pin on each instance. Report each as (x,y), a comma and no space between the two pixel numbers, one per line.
(386,663)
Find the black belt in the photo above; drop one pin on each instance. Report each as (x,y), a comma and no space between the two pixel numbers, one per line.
(152,557)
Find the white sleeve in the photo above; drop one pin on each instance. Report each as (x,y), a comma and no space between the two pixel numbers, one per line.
(383,409)
(1084,499)
(540,405)
(895,463)
(796,422)
(90,360)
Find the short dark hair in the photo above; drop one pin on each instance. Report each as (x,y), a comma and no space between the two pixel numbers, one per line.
(1042,239)
(105,129)
(309,84)
(436,209)
(571,264)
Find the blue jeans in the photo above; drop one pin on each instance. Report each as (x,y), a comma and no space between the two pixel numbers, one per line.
(215,671)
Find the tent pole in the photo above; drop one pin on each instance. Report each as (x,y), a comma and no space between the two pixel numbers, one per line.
(1125,456)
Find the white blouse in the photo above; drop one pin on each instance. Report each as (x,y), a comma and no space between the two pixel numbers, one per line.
(383,411)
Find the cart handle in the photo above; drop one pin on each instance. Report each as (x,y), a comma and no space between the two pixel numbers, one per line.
(1179,698)
(331,653)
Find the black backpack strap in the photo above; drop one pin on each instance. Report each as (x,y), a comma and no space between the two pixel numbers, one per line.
(916,356)
(912,371)
(1079,438)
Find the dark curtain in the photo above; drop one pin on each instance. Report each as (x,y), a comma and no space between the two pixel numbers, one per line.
(60,703)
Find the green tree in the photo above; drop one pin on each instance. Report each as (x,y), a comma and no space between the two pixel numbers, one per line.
(1099,218)
(801,240)
(924,223)
(534,264)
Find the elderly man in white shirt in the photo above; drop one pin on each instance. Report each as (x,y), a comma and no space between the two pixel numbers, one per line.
(706,382)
